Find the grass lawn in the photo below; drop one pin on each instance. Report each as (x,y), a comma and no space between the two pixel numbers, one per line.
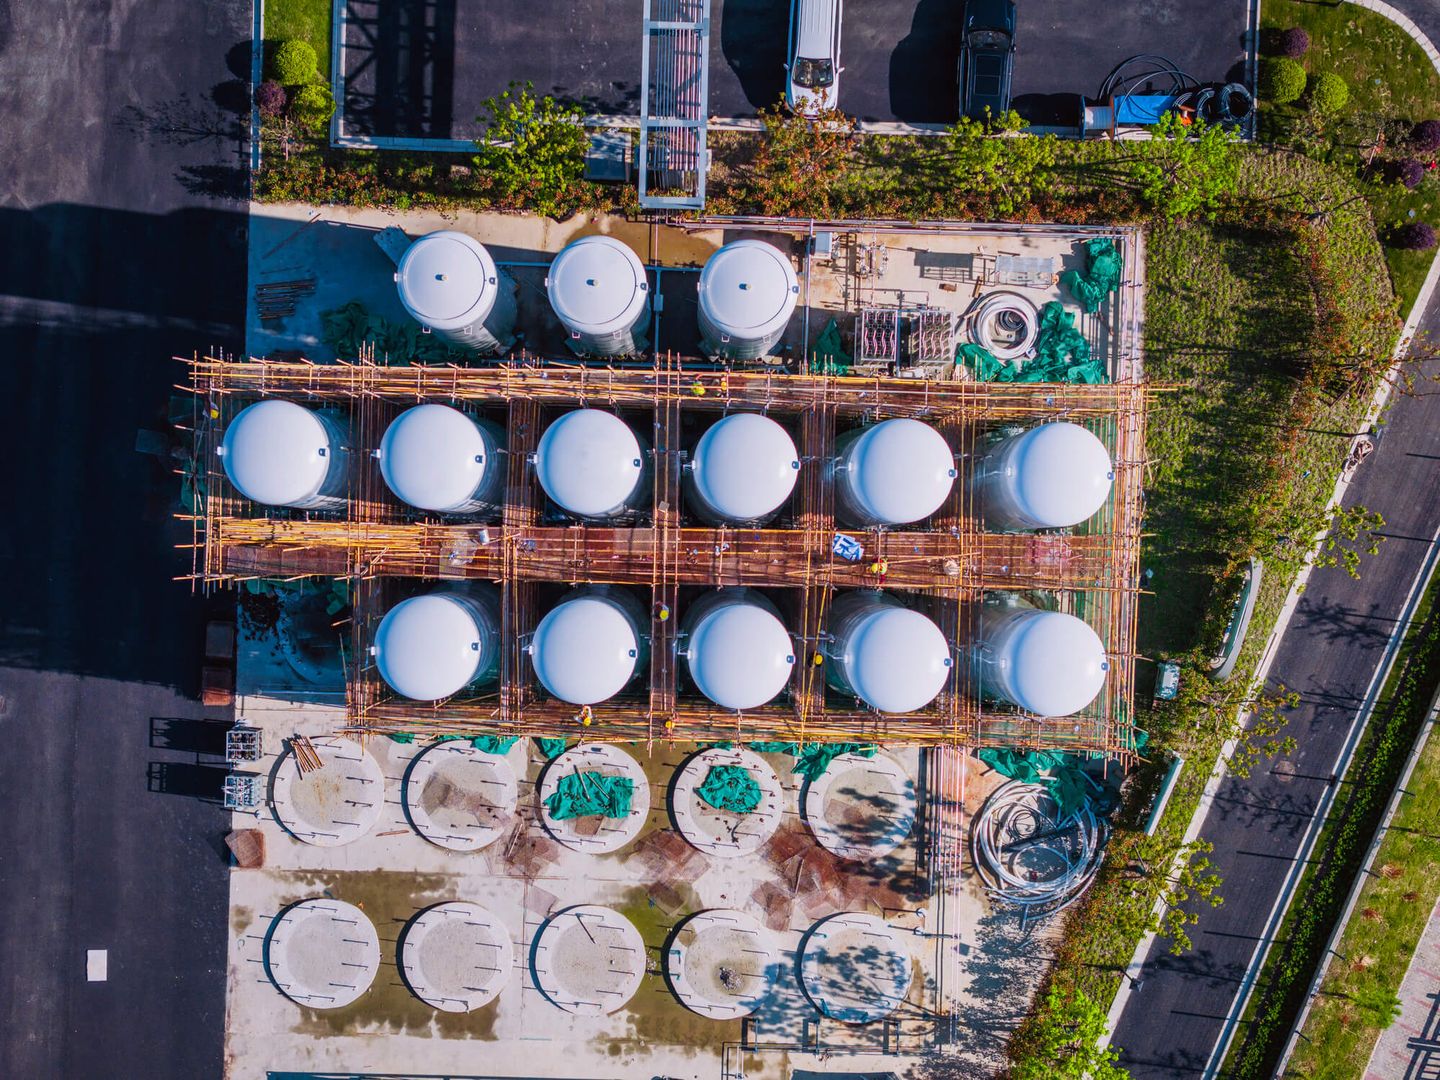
(308,20)
(1392,85)
(1389,918)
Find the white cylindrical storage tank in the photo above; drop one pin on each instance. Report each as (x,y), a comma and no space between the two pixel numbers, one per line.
(438,458)
(450,284)
(889,656)
(742,470)
(593,465)
(1045,662)
(737,650)
(598,289)
(283,454)
(589,646)
(891,473)
(432,646)
(1050,477)
(748,292)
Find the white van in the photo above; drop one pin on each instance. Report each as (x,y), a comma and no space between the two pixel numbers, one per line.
(814,56)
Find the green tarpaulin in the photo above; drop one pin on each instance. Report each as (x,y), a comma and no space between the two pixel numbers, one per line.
(729,787)
(401,736)
(828,357)
(551,748)
(1058,772)
(1101,277)
(814,759)
(1061,355)
(494,744)
(590,793)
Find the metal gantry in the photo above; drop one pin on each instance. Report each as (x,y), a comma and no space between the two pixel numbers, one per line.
(675,90)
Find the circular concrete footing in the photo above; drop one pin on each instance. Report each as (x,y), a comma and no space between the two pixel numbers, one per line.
(854,968)
(596,835)
(322,953)
(722,963)
(860,808)
(459,797)
(588,960)
(722,833)
(334,804)
(455,956)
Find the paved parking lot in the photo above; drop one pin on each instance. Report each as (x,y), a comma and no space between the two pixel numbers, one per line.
(421,68)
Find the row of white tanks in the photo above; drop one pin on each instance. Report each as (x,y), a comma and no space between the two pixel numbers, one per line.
(596,467)
(737,651)
(451,285)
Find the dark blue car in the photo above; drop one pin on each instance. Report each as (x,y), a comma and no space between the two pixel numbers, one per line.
(987,55)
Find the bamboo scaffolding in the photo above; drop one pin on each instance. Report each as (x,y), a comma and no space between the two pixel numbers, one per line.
(951,564)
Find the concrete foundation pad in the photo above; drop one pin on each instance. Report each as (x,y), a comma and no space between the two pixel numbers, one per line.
(596,835)
(721,833)
(459,797)
(855,968)
(322,953)
(335,804)
(861,808)
(722,963)
(456,956)
(588,960)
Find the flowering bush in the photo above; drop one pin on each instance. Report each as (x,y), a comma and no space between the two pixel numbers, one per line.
(1416,236)
(271,97)
(1409,172)
(1426,136)
(1294,43)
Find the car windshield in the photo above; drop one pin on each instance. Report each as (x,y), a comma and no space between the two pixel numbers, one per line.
(989,39)
(813,73)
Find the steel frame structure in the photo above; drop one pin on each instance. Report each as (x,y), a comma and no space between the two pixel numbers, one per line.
(674,104)
(947,564)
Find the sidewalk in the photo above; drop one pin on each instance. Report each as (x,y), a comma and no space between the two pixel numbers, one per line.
(1410,1047)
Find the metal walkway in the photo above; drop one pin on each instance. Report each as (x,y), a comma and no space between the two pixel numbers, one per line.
(675,74)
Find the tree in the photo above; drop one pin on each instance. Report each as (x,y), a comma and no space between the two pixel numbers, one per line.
(1066,1042)
(1254,724)
(1380,1003)
(1282,80)
(312,106)
(294,62)
(995,160)
(800,163)
(1191,878)
(271,99)
(1183,170)
(532,149)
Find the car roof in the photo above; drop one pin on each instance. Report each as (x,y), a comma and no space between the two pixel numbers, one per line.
(815,28)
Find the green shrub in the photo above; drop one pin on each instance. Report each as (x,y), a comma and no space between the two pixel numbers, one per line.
(294,62)
(1328,93)
(312,106)
(1282,81)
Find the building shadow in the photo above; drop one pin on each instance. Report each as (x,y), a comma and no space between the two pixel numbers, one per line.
(400,68)
(753,37)
(93,303)
(923,89)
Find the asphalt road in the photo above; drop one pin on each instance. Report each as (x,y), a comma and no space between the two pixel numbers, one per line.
(121,244)
(1329,654)
(422,69)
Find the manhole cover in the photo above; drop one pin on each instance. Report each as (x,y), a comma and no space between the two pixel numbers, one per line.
(1284,771)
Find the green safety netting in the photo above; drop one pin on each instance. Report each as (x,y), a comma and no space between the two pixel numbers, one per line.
(551,748)
(494,744)
(1056,771)
(1101,277)
(590,793)
(729,787)
(829,357)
